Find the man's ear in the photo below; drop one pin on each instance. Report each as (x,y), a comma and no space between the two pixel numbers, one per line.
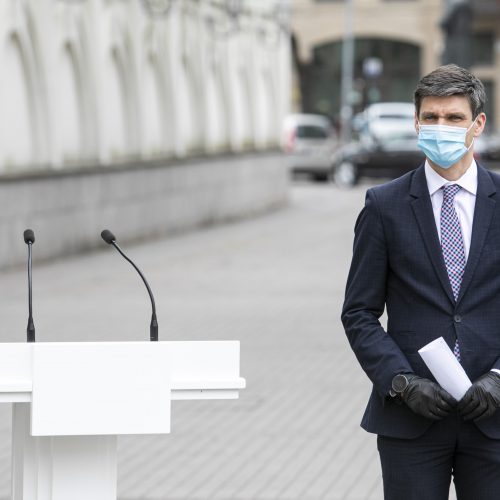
(416,123)
(480,124)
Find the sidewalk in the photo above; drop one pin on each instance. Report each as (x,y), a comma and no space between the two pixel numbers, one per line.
(275,283)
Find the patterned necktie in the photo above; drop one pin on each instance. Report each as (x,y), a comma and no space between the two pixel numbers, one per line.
(452,244)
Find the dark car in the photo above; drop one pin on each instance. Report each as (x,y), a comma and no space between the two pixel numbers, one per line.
(385,147)
(487,150)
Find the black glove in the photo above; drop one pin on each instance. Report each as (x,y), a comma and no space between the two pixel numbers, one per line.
(426,398)
(482,399)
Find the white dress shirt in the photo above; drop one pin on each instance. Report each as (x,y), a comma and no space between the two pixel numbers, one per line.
(465,199)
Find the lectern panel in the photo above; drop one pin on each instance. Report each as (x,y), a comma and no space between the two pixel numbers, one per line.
(95,388)
(205,361)
(15,362)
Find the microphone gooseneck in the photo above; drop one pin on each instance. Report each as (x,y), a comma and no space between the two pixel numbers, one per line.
(110,239)
(29,239)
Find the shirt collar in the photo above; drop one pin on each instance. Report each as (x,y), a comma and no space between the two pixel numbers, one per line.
(468,181)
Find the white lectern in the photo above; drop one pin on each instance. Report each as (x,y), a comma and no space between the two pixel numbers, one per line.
(72,399)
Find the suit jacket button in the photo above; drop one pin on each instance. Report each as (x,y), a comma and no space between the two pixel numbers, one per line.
(457,318)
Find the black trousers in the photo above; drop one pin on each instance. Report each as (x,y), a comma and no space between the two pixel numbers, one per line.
(422,468)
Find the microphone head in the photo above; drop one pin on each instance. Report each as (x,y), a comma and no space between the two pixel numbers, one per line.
(108,236)
(29,236)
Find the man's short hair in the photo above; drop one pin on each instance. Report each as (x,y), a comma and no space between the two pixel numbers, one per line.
(451,80)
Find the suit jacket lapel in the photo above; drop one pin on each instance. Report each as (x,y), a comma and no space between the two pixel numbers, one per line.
(483,213)
(422,208)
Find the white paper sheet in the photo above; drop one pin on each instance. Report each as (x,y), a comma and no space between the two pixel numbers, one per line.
(445,367)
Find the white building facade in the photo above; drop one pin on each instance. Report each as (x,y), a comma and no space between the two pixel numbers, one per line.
(147,117)
(100,82)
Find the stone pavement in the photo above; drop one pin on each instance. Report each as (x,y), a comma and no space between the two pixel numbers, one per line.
(275,283)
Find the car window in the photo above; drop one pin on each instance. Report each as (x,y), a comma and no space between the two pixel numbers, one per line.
(395,135)
(390,111)
(395,115)
(385,130)
(311,132)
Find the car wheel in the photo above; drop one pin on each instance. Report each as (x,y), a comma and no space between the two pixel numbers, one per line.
(345,174)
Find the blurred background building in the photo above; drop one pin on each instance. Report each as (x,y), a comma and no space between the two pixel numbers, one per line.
(395,42)
(99,97)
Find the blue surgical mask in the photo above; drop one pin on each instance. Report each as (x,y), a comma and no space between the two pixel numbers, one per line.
(443,144)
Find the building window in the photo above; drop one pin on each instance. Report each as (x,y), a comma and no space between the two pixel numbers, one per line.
(489,108)
(483,48)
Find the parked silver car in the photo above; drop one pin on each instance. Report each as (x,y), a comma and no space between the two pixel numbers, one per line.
(309,142)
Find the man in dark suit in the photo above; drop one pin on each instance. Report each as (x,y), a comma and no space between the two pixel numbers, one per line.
(427,249)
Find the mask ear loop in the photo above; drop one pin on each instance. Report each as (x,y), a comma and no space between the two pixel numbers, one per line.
(471,125)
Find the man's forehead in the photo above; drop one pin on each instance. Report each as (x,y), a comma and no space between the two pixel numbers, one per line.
(446,105)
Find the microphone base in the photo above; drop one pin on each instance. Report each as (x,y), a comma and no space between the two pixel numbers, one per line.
(30,331)
(153,329)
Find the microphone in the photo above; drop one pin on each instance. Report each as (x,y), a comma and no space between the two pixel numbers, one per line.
(29,239)
(110,239)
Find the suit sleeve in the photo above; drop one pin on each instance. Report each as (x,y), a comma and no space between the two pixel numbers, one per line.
(378,354)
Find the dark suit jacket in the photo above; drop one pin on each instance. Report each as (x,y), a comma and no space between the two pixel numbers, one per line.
(398,263)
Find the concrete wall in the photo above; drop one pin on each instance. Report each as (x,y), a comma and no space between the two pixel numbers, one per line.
(68,210)
(90,89)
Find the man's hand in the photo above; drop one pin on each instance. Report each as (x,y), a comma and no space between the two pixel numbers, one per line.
(427,398)
(482,399)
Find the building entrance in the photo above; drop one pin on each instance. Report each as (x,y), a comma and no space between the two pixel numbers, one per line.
(384,70)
